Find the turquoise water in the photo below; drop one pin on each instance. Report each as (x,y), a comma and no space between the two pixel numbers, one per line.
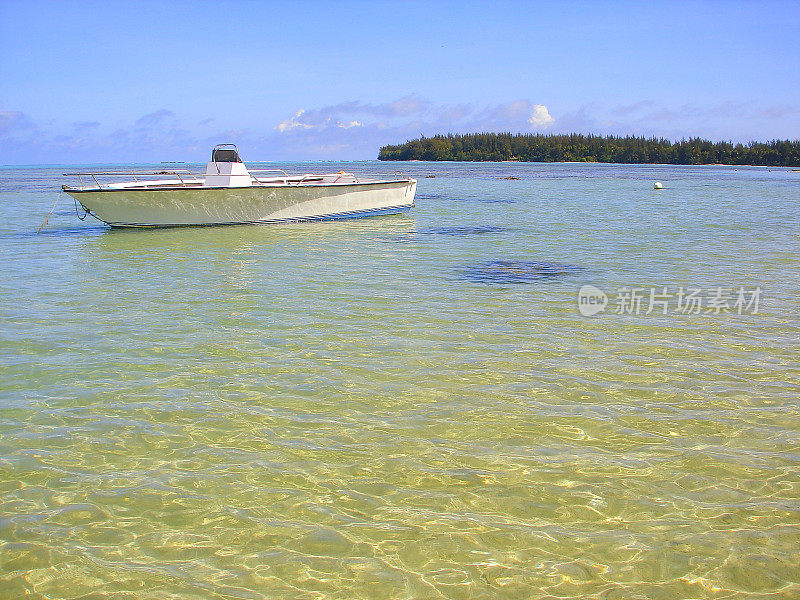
(408,406)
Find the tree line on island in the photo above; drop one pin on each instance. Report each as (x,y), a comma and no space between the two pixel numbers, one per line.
(592,148)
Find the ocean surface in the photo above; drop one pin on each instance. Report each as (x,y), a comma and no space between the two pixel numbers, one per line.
(415,406)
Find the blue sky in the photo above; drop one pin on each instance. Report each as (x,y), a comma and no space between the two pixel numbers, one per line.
(141,81)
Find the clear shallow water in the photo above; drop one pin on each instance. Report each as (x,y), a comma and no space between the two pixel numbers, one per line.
(345,410)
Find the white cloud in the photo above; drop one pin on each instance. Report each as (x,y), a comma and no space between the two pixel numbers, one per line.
(155,118)
(628,109)
(355,130)
(13,120)
(540,116)
(293,122)
(340,116)
(424,117)
(777,112)
(407,106)
(81,126)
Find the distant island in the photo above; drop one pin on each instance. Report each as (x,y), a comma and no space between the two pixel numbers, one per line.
(577,147)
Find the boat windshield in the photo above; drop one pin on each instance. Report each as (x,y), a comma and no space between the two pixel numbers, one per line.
(226,153)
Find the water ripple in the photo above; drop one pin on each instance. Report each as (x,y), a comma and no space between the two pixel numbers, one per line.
(306,411)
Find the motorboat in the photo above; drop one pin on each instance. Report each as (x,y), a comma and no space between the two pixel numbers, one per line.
(230,193)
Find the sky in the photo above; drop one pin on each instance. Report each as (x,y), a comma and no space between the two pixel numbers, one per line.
(117,81)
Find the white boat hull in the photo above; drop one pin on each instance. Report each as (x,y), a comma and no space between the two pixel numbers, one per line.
(198,205)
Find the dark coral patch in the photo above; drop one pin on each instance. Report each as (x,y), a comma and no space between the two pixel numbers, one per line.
(517,271)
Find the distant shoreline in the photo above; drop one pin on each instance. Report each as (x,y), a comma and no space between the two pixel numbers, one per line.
(592,162)
(580,148)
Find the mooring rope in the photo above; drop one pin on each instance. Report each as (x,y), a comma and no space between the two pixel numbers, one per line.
(85,210)
(47,218)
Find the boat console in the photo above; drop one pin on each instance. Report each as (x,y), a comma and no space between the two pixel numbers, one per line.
(226,169)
